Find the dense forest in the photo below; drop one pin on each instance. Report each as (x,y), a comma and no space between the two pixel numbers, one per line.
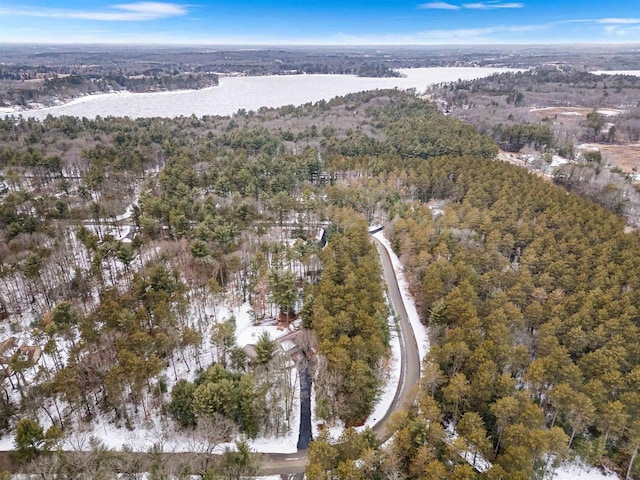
(129,246)
(528,292)
(529,295)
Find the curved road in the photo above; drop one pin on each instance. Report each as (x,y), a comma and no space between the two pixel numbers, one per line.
(410,355)
(273,463)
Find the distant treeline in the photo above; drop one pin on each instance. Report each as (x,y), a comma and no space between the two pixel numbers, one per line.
(60,88)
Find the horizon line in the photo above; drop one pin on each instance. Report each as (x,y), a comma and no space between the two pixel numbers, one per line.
(276,44)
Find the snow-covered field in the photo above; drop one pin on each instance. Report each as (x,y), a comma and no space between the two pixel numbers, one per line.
(249,93)
(577,111)
(607,112)
(557,160)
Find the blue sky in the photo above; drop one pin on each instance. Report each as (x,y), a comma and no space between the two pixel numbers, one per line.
(357,22)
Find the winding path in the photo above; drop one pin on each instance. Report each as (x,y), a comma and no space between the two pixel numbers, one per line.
(409,375)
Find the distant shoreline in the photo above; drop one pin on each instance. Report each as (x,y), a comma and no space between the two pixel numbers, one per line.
(235,92)
(35,106)
(18,109)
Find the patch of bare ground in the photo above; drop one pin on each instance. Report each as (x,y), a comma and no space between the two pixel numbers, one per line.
(521,160)
(513,158)
(22,84)
(625,157)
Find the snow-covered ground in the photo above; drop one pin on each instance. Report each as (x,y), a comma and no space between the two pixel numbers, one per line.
(578,112)
(136,198)
(156,429)
(203,315)
(145,435)
(557,160)
(587,146)
(546,109)
(577,470)
(609,113)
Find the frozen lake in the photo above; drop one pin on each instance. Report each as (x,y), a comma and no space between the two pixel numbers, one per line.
(249,93)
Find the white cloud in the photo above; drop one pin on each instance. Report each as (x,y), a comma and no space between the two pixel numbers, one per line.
(439,6)
(622,29)
(489,5)
(492,5)
(455,36)
(619,21)
(125,12)
(153,8)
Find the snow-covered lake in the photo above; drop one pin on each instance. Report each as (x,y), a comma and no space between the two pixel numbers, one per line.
(249,93)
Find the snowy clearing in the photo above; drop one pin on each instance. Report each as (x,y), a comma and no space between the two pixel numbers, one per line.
(578,470)
(557,160)
(609,113)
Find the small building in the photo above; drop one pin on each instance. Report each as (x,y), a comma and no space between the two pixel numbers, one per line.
(8,350)
(32,352)
(250,351)
(8,345)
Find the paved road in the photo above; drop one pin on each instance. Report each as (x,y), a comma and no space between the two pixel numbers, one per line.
(409,375)
(410,355)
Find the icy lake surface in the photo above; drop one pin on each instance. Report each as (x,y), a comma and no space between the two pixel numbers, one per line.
(249,93)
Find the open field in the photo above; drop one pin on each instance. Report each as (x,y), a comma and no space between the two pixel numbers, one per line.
(548,112)
(624,157)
